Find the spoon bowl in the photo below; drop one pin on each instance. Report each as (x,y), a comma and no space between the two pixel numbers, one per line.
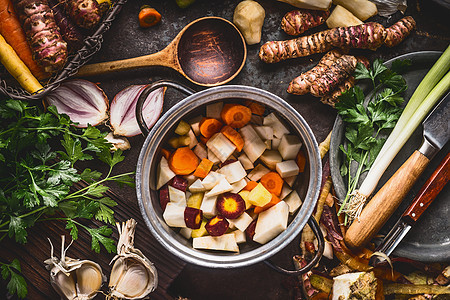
(209,51)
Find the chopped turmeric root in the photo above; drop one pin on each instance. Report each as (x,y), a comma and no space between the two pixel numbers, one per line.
(276,51)
(298,21)
(396,33)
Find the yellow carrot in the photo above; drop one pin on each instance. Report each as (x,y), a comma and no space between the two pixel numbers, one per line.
(16,67)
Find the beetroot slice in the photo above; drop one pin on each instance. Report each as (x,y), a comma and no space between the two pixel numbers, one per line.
(164,196)
(179,183)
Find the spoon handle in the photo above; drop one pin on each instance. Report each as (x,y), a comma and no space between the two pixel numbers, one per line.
(163,58)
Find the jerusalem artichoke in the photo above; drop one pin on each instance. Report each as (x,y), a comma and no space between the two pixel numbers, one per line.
(275,51)
(303,82)
(69,31)
(298,21)
(85,13)
(48,47)
(249,18)
(365,36)
(324,77)
(399,31)
(332,97)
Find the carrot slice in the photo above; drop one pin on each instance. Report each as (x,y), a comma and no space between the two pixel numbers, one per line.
(183,161)
(236,115)
(148,16)
(273,182)
(250,185)
(301,161)
(203,168)
(209,126)
(165,153)
(256,108)
(234,137)
(271,203)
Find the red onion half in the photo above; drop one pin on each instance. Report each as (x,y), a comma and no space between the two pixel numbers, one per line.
(83,101)
(123,110)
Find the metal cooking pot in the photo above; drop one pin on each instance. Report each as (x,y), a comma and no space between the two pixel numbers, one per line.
(150,155)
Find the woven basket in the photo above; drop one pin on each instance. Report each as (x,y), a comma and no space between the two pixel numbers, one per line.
(92,44)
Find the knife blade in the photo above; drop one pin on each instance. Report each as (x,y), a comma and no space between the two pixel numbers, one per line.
(432,187)
(383,204)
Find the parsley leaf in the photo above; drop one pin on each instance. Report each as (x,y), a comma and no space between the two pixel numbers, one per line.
(39,155)
(17,284)
(363,125)
(100,236)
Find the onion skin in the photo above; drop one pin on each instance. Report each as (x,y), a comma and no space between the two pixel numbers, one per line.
(83,101)
(123,110)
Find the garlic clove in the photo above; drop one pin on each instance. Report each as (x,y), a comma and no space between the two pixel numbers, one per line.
(89,279)
(74,279)
(64,284)
(133,276)
(123,110)
(134,280)
(83,101)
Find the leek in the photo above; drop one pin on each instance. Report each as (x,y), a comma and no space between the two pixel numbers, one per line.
(385,157)
(434,75)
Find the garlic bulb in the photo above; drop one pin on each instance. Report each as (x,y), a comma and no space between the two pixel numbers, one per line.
(73,278)
(133,276)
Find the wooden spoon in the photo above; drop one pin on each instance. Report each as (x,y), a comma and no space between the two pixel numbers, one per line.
(209,51)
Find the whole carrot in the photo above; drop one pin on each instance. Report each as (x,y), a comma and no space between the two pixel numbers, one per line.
(14,35)
(17,68)
(275,51)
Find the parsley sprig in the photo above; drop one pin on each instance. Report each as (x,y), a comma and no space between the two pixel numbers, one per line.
(16,284)
(365,123)
(38,154)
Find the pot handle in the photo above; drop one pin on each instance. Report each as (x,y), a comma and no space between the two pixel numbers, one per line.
(321,245)
(150,88)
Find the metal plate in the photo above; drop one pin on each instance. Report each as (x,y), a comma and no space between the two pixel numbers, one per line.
(428,240)
(443,3)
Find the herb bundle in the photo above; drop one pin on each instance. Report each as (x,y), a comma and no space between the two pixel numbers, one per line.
(364,124)
(38,153)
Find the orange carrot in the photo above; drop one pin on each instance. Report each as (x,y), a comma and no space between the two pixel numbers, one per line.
(301,161)
(271,203)
(273,182)
(183,161)
(148,16)
(165,153)
(250,185)
(203,168)
(236,115)
(233,136)
(209,126)
(256,108)
(14,35)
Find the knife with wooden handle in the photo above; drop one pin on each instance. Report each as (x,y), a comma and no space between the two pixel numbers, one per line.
(381,207)
(432,187)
